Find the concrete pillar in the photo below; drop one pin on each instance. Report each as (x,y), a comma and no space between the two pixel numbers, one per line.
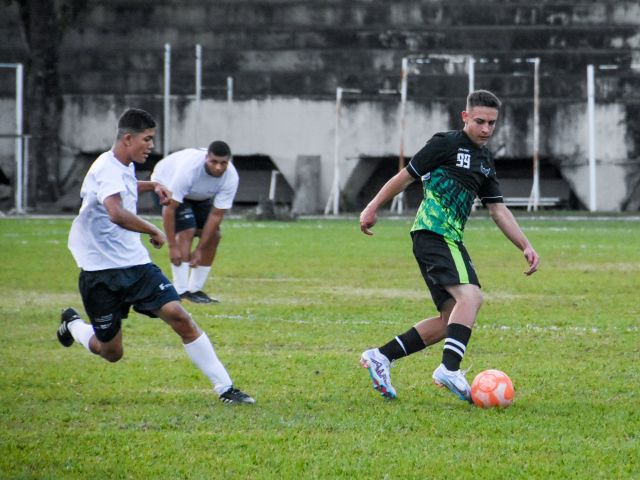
(306,199)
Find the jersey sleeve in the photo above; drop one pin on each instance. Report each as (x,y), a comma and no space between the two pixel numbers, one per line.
(108,183)
(429,157)
(489,191)
(180,184)
(224,198)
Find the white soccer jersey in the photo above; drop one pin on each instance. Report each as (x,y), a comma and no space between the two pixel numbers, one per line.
(97,243)
(184,173)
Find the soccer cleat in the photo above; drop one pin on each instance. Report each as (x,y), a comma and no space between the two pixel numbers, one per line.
(203,297)
(191,297)
(64,335)
(198,297)
(379,366)
(235,396)
(454,381)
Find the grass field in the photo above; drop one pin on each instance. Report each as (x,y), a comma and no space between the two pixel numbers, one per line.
(300,302)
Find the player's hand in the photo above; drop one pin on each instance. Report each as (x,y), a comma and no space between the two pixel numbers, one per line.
(196,258)
(368,219)
(175,257)
(163,193)
(157,239)
(532,259)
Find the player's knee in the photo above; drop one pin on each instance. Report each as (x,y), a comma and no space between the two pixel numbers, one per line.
(478,299)
(112,356)
(472,298)
(182,319)
(184,326)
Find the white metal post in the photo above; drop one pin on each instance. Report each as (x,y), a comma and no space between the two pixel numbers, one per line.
(198,92)
(471,73)
(19,195)
(25,173)
(398,201)
(19,132)
(591,134)
(534,199)
(198,72)
(272,185)
(229,89)
(333,202)
(336,159)
(334,196)
(166,144)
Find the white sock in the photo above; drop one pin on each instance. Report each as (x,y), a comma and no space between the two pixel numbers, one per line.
(180,277)
(197,278)
(201,353)
(81,332)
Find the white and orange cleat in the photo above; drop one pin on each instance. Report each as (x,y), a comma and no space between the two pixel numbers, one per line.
(379,366)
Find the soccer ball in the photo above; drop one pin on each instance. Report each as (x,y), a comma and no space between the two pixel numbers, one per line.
(492,388)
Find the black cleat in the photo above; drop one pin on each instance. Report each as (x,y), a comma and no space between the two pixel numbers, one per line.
(64,335)
(190,297)
(198,297)
(235,396)
(204,298)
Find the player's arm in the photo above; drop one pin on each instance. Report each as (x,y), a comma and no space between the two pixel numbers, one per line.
(208,236)
(427,158)
(169,224)
(130,221)
(506,222)
(164,194)
(398,183)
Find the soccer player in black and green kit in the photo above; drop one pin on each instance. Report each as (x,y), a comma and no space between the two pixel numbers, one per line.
(455,167)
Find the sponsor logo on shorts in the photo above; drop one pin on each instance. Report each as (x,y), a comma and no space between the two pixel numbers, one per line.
(104,322)
(164,286)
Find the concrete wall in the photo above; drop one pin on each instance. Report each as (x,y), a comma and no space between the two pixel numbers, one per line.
(281,128)
(288,56)
(285,128)
(568,134)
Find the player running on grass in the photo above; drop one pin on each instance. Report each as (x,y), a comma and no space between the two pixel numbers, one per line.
(117,272)
(454,167)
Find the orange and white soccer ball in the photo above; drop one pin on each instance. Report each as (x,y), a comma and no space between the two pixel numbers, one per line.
(492,388)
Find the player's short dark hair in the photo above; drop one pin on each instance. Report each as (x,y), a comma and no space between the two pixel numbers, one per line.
(220,149)
(135,120)
(483,98)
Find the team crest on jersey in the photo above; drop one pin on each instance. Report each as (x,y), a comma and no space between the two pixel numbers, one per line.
(485,171)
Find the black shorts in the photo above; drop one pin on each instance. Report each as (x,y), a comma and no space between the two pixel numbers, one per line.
(443,263)
(108,294)
(192,214)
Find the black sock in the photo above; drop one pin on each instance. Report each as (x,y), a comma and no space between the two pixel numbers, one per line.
(403,345)
(455,345)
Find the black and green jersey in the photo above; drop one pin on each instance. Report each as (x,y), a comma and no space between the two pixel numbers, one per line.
(454,171)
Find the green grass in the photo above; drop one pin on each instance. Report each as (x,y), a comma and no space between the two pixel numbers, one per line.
(300,302)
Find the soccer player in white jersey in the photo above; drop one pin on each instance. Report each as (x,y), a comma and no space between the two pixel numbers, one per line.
(203,185)
(116,269)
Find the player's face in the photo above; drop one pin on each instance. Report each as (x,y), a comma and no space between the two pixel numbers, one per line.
(479,124)
(140,145)
(216,165)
